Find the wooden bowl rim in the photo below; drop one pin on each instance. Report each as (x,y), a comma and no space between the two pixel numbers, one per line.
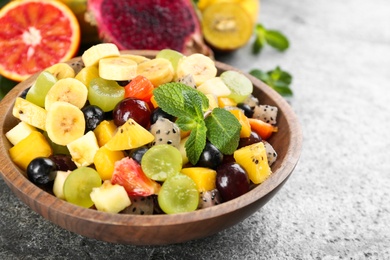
(13,177)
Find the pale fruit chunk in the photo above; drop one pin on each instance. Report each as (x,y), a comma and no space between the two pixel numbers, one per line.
(93,54)
(33,146)
(58,186)
(83,149)
(30,113)
(61,70)
(215,86)
(158,71)
(117,68)
(200,66)
(19,132)
(130,135)
(253,158)
(110,198)
(68,90)
(65,123)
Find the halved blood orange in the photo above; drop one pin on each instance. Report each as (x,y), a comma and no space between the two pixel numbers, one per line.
(36,34)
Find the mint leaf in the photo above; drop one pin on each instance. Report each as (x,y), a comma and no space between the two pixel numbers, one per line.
(196,142)
(187,123)
(223,130)
(277,79)
(260,40)
(274,38)
(277,40)
(178,99)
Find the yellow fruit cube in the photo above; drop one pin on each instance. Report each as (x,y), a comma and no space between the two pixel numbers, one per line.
(33,146)
(104,161)
(253,158)
(245,126)
(203,177)
(104,132)
(86,74)
(226,102)
(19,132)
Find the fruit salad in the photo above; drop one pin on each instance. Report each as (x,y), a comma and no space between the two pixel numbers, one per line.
(127,134)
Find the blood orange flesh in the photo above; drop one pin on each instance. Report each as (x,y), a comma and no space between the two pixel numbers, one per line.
(34,36)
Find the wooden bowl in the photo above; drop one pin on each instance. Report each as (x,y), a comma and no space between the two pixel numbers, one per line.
(156,229)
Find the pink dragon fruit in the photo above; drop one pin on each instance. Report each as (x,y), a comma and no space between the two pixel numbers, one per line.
(148,24)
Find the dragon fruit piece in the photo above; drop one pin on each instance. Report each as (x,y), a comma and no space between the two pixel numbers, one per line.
(148,25)
(209,198)
(140,206)
(187,80)
(271,153)
(266,113)
(166,132)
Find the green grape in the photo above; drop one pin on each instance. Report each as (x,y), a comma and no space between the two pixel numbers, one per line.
(37,93)
(178,194)
(240,86)
(161,161)
(173,56)
(105,93)
(79,184)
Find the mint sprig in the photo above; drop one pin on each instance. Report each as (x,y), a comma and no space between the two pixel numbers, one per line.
(277,79)
(274,38)
(220,127)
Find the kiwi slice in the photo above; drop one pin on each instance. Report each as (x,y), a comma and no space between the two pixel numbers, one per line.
(226,26)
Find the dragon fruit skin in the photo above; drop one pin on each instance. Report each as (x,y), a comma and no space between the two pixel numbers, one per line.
(149,25)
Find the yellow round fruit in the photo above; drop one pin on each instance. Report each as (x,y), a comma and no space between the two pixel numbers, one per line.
(252,7)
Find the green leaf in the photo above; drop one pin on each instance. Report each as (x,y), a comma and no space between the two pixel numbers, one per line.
(277,79)
(277,40)
(196,142)
(186,123)
(260,40)
(223,130)
(179,99)
(273,38)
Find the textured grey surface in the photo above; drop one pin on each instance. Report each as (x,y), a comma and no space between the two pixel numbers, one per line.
(336,205)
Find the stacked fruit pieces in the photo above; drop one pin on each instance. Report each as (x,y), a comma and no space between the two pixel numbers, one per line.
(125,133)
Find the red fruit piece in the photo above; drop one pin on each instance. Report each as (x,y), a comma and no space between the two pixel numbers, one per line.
(128,173)
(149,24)
(140,88)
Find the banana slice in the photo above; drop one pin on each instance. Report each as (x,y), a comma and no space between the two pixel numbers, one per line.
(137,58)
(64,123)
(158,71)
(117,68)
(68,90)
(200,66)
(61,70)
(93,54)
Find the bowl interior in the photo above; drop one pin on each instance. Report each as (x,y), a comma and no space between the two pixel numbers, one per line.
(155,229)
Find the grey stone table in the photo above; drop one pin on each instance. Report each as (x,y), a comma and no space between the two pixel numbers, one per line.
(336,205)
